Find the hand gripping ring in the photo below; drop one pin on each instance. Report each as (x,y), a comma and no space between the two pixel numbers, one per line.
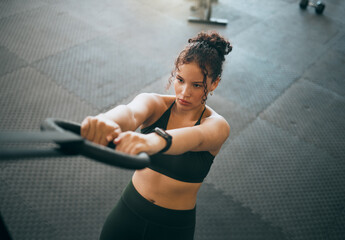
(107,155)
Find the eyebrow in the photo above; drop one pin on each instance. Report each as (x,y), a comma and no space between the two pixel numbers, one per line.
(179,76)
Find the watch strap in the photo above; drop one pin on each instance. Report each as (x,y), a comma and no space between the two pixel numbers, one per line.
(167,137)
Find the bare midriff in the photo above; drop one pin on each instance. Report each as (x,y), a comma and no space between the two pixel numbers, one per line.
(165,191)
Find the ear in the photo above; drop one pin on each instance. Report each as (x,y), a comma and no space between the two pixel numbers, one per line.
(214,85)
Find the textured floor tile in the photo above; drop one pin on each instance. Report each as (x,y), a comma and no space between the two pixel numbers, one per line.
(151,34)
(279,47)
(263,10)
(101,71)
(340,45)
(27,98)
(253,82)
(288,182)
(21,218)
(334,10)
(106,16)
(337,230)
(9,61)
(314,114)
(74,195)
(328,72)
(41,32)
(219,217)
(280,177)
(236,116)
(306,27)
(11,7)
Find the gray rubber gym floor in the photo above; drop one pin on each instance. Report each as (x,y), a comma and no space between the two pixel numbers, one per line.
(281,174)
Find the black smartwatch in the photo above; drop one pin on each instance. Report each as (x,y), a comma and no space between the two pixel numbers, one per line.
(166,136)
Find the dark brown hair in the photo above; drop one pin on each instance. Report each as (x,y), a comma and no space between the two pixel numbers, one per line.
(208,50)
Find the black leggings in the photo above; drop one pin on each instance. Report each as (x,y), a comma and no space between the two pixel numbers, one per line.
(134,218)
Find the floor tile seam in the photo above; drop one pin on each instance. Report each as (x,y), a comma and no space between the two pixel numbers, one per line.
(9,50)
(32,65)
(263,19)
(32,207)
(251,210)
(14,70)
(328,47)
(336,19)
(339,25)
(302,139)
(25,11)
(125,100)
(318,85)
(71,47)
(99,35)
(292,235)
(238,35)
(258,115)
(61,86)
(330,43)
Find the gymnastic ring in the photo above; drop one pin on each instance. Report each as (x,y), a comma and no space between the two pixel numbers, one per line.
(107,155)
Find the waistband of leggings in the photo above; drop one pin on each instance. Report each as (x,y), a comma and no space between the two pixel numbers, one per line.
(155,213)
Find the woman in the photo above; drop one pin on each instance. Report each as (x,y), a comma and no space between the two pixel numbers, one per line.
(181,134)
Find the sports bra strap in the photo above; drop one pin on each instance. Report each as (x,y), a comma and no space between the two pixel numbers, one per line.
(198,122)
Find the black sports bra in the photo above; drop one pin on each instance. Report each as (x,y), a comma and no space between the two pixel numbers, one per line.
(187,167)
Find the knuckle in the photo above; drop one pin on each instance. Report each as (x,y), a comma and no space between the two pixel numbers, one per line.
(87,118)
(100,124)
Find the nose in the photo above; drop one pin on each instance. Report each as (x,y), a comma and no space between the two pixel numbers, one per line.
(186,90)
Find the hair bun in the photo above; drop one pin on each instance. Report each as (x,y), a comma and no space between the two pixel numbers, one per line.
(213,40)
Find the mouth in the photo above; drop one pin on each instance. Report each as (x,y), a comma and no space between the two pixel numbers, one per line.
(183,102)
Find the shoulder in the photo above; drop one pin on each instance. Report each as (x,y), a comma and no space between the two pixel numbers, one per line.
(156,104)
(212,118)
(212,115)
(154,99)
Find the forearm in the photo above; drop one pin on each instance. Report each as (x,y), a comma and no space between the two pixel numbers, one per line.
(123,116)
(134,143)
(184,140)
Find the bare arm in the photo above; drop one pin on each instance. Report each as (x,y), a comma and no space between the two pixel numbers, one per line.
(105,127)
(208,136)
(129,117)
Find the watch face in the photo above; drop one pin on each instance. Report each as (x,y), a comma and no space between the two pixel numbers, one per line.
(162,133)
(166,136)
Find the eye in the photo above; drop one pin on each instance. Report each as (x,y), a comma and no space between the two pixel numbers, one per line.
(180,80)
(197,85)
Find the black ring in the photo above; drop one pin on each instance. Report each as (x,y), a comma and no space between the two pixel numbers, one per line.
(94,151)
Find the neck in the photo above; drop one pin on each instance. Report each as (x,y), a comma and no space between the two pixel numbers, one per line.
(191,114)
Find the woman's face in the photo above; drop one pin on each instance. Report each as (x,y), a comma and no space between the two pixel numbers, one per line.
(189,87)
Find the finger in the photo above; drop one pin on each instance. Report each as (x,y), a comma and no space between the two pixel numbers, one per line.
(98,138)
(84,128)
(117,140)
(103,141)
(99,131)
(92,131)
(136,149)
(117,132)
(123,142)
(109,138)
